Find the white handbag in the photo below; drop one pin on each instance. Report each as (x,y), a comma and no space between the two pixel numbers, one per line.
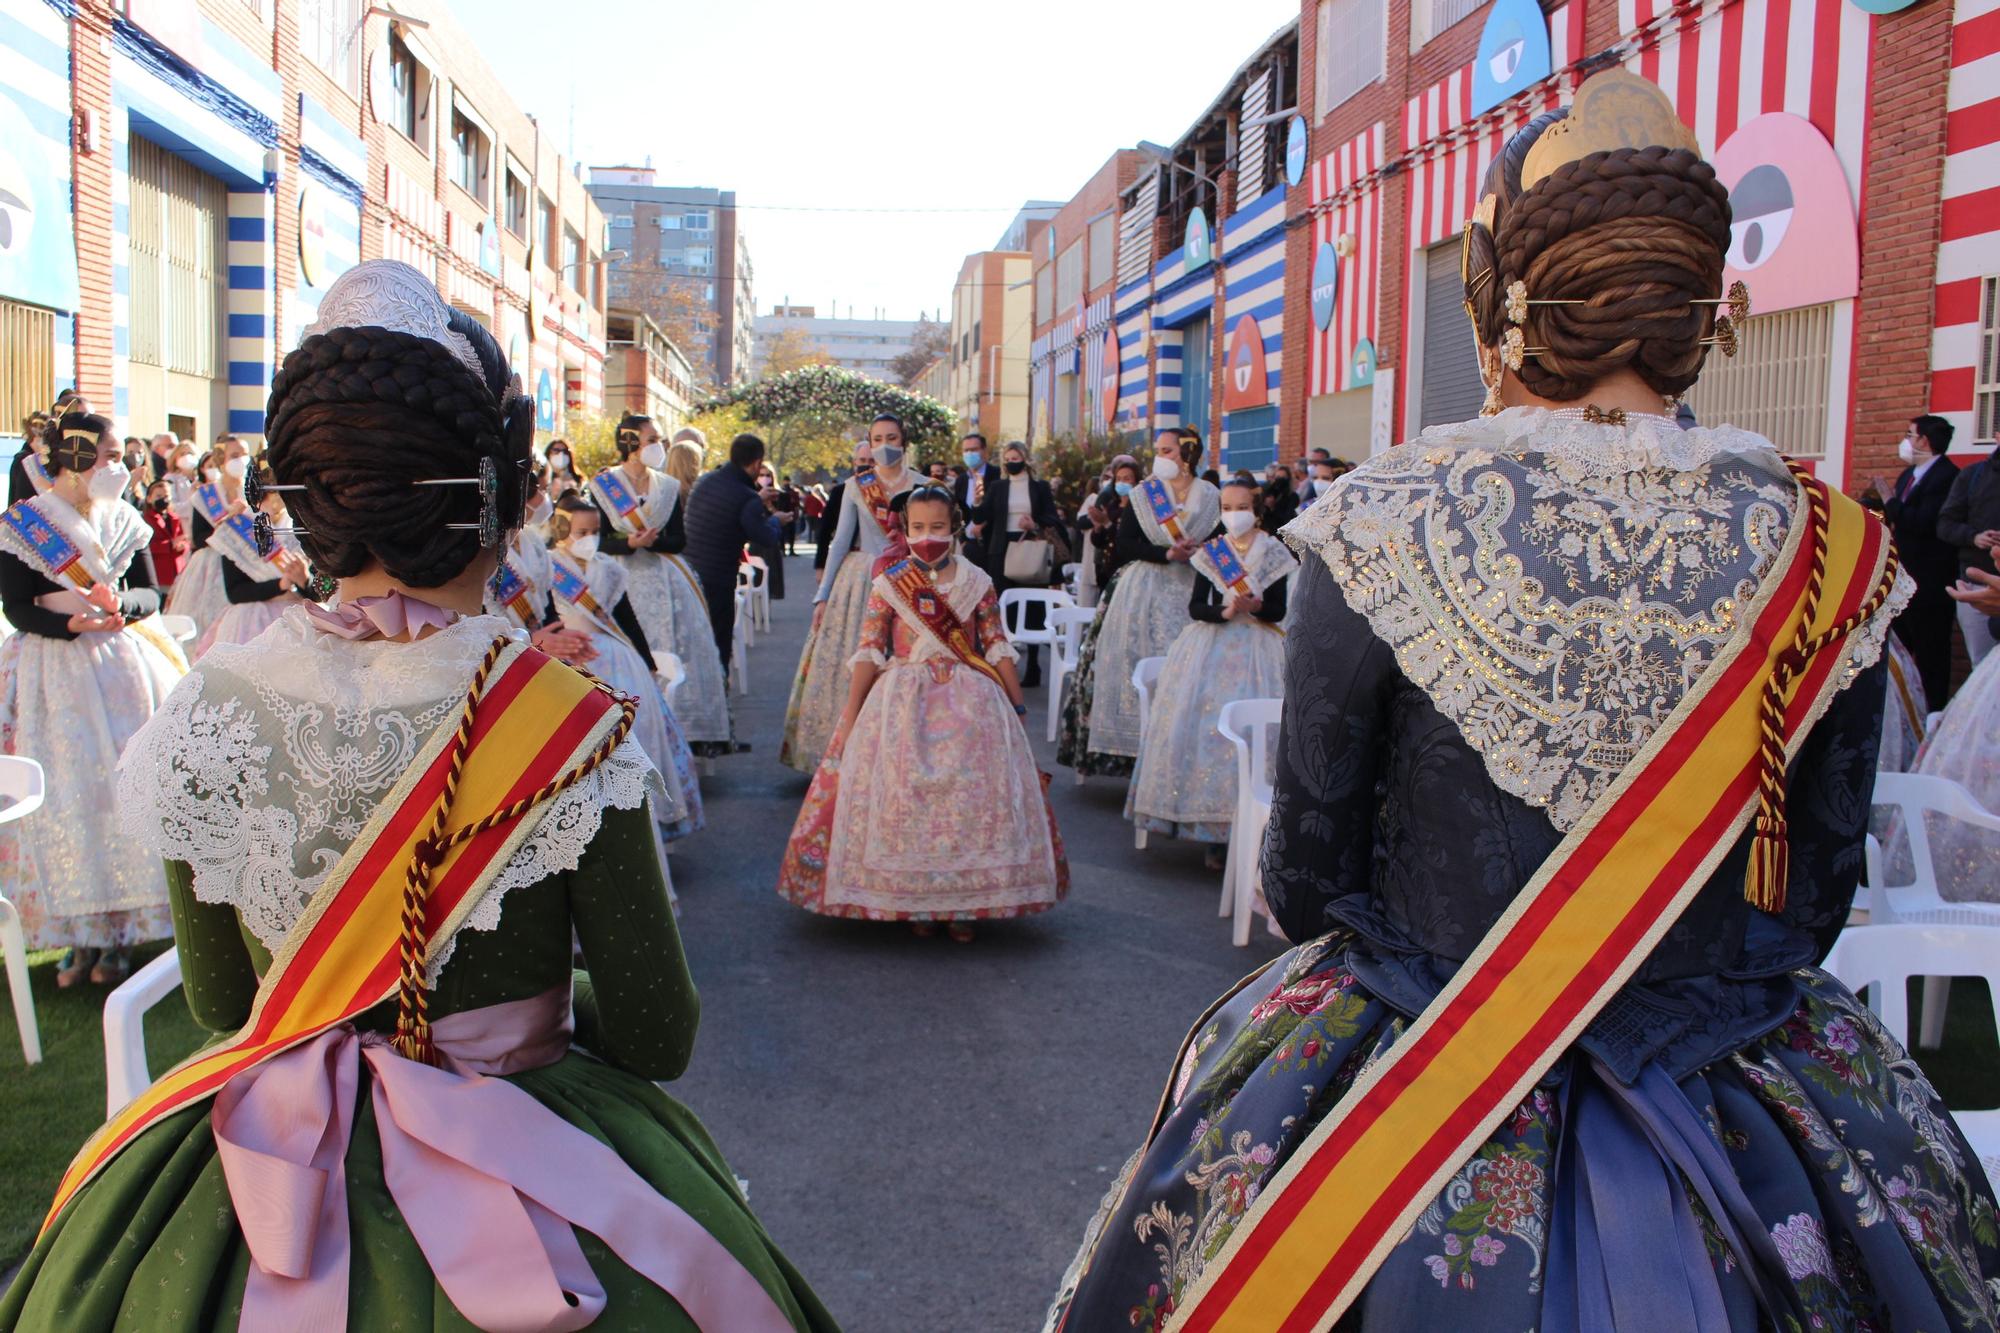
(1030,560)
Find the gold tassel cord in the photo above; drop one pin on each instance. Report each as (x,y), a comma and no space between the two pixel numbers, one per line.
(1770,848)
(413,1032)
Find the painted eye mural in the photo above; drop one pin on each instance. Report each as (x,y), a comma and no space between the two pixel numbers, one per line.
(1325,284)
(1361,366)
(37,257)
(1791,234)
(1513,53)
(1247,383)
(1198,247)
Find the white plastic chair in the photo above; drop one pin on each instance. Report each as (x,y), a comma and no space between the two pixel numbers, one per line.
(1145,675)
(739,661)
(746,604)
(1251,726)
(125,1072)
(181,629)
(23,787)
(1013,614)
(1067,623)
(1069,579)
(671,672)
(1920,902)
(1877,962)
(760,590)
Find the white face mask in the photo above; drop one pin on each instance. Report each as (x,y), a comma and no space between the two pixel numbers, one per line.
(1166,469)
(559,461)
(237,467)
(109,481)
(1238,521)
(583,547)
(1907,451)
(185,465)
(211,474)
(654,454)
(539,511)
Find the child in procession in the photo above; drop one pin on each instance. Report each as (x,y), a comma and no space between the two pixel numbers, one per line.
(932,730)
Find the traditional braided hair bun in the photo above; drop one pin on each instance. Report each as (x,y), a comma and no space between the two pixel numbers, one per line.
(1634,234)
(359,415)
(72,441)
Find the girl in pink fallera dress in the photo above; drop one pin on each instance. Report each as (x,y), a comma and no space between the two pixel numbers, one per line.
(928,807)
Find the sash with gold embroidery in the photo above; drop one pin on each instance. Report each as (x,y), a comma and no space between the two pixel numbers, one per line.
(915,591)
(1229,568)
(59,559)
(38,472)
(534,726)
(1327,1219)
(876,496)
(569,587)
(621,499)
(510,593)
(1161,501)
(214,505)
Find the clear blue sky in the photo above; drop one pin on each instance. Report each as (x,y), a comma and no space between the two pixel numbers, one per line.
(882,103)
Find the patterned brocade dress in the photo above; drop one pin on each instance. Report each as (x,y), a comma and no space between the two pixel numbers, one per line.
(933,810)
(1733,1141)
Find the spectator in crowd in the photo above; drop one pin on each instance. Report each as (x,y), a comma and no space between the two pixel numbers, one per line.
(788,502)
(725,514)
(1323,473)
(562,470)
(938,474)
(969,492)
(1281,502)
(162,452)
(169,543)
(1912,506)
(1019,507)
(812,504)
(1970,520)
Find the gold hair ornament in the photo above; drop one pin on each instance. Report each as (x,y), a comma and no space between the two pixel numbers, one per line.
(1613,110)
(1737,298)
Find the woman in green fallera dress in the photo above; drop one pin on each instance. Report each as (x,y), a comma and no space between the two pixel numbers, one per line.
(263,782)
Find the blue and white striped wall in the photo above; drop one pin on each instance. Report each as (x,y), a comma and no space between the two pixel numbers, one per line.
(1133,304)
(252,229)
(1253,263)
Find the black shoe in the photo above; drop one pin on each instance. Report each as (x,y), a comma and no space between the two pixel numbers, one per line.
(1031,680)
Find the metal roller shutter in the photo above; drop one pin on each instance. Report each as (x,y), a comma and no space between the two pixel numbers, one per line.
(180,269)
(1452,391)
(1777,382)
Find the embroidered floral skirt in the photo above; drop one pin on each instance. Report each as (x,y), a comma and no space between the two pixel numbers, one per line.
(619,665)
(667,598)
(1811,1180)
(1185,783)
(1073,736)
(934,810)
(1143,621)
(198,593)
(819,690)
(71,705)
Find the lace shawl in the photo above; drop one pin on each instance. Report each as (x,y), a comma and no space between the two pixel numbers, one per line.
(262,766)
(1199,515)
(656,506)
(1557,586)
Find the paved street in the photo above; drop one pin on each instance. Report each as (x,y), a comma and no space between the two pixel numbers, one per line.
(926,1126)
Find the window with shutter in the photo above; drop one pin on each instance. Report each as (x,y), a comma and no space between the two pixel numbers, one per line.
(1986,388)
(1777,383)
(1452,390)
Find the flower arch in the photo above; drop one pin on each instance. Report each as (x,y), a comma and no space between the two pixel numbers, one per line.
(836,399)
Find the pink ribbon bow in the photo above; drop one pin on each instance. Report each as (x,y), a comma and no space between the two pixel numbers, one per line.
(489,1181)
(390,615)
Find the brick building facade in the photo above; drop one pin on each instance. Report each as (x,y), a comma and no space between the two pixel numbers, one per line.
(1869,231)
(197,174)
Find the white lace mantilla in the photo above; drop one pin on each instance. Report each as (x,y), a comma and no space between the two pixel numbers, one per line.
(1557,586)
(263,766)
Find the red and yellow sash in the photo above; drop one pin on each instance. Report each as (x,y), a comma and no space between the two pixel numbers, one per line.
(876,496)
(536,722)
(913,587)
(1333,1212)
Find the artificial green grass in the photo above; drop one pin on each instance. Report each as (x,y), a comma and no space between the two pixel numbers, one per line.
(48,1110)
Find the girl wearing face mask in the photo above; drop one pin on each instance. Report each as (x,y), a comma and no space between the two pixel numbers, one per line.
(563,477)
(215,499)
(868,527)
(588,591)
(927,806)
(1015,508)
(259,586)
(1233,648)
(642,527)
(87,666)
(1166,516)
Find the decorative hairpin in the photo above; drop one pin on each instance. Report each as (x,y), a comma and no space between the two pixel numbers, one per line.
(491,528)
(1514,349)
(1725,336)
(72,456)
(263,534)
(1737,298)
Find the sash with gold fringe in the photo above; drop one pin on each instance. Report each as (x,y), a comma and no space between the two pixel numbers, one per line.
(531,728)
(60,557)
(1230,569)
(1328,1218)
(509,591)
(914,589)
(876,496)
(568,586)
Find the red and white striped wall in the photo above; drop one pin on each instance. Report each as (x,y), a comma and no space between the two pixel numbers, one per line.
(1347,201)
(1969,240)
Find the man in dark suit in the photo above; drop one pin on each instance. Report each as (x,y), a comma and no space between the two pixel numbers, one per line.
(725,512)
(970,491)
(1912,506)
